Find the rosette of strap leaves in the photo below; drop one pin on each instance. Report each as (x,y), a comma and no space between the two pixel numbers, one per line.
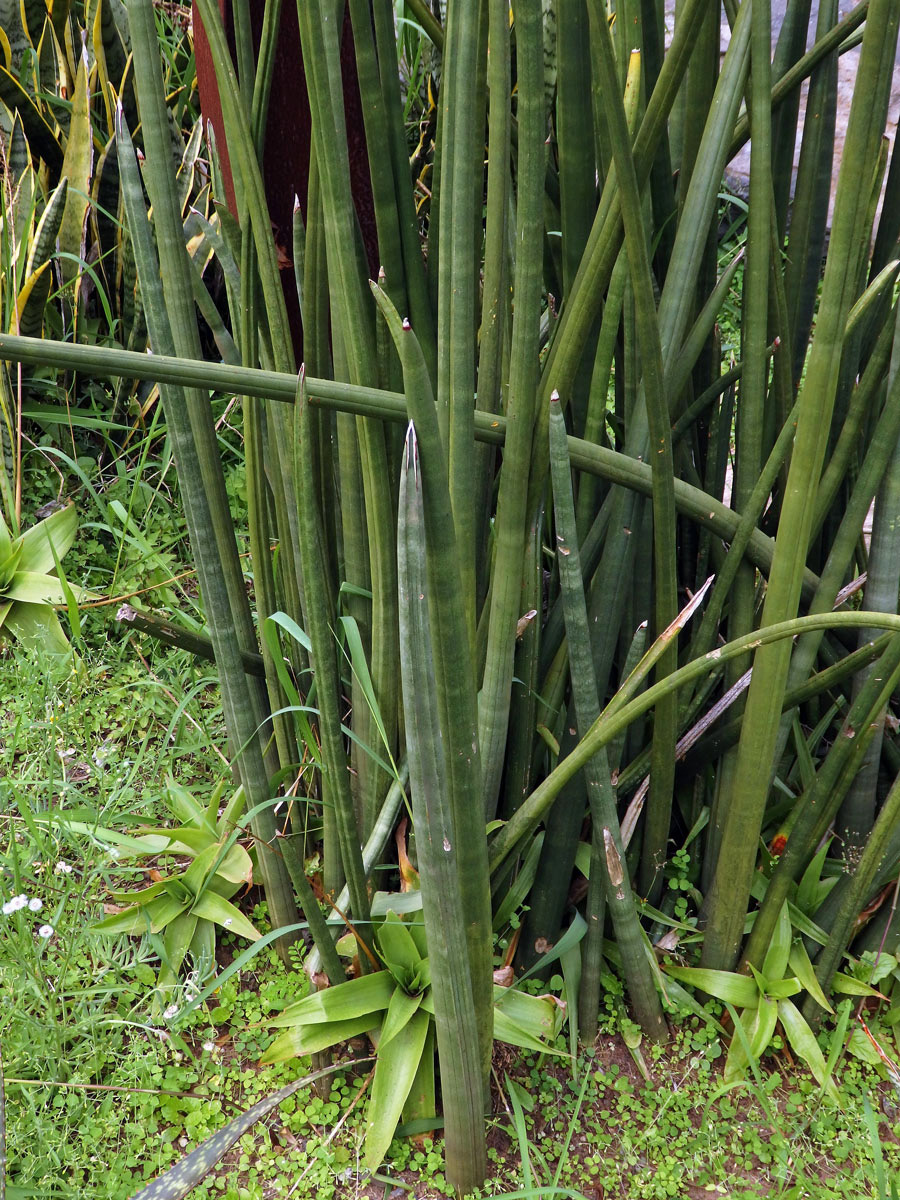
(29,586)
(394,1007)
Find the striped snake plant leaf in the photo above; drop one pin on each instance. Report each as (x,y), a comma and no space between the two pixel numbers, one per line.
(29,311)
(457,1019)
(28,315)
(78,164)
(41,137)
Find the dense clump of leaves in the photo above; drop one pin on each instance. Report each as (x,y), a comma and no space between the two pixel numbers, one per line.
(559,295)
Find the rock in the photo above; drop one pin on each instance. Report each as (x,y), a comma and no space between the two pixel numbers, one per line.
(737,173)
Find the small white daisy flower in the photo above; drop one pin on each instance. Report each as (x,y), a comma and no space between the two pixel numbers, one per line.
(170,1012)
(210,1047)
(62,868)
(35,904)
(14,904)
(45,931)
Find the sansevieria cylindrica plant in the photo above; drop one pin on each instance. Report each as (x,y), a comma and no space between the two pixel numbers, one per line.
(544,527)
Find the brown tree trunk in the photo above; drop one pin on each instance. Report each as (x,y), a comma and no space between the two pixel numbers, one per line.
(286,153)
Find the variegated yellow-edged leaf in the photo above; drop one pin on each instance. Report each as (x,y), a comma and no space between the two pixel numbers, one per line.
(77,167)
(100,60)
(27,317)
(18,154)
(41,137)
(32,14)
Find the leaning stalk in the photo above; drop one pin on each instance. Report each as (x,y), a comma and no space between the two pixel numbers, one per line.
(607,848)
(532,811)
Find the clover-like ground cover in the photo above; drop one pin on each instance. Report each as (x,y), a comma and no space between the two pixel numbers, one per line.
(100,1097)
